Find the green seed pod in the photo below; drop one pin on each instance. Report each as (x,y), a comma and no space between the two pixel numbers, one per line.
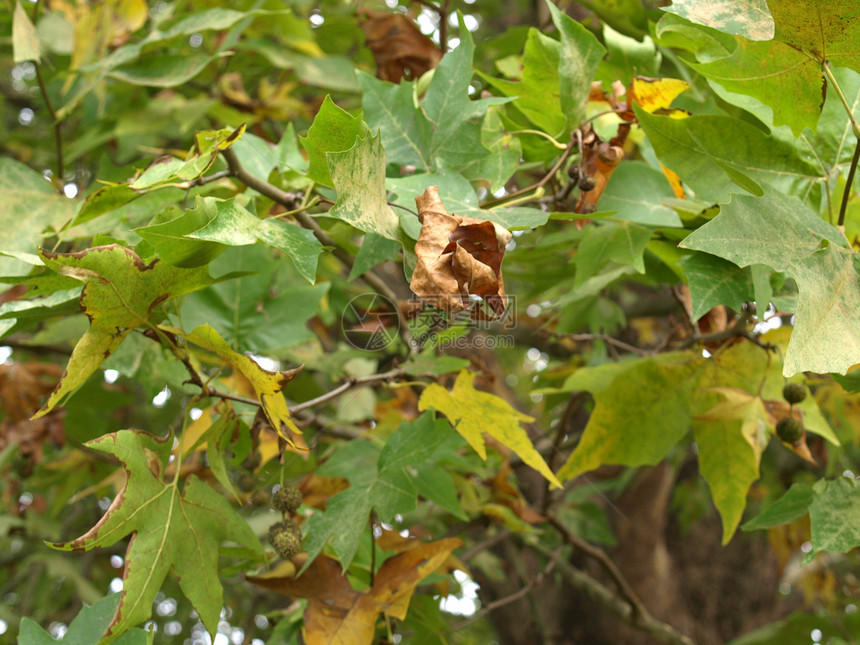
(286,538)
(287,500)
(794,392)
(586,183)
(789,429)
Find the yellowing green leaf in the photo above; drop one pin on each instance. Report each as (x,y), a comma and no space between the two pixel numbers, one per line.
(473,413)
(174,529)
(119,294)
(25,40)
(731,437)
(266,384)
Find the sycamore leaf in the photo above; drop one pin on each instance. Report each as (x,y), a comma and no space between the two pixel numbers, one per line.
(387,481)
(581,54)
(731,437)
(235,225)
(336,614)
(174,529)
(91,620)
(826,337)
(717,156)
(792,506)
(119,294)
(358,175)
(30,205)
(637,418)
(748,18)
(472,413)
(267,385)
(208,144)
(714,281)
(622,242)
(834,516)
(333,130)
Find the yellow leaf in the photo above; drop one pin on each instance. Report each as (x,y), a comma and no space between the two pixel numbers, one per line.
(267,385)
(653,94)
(473,412)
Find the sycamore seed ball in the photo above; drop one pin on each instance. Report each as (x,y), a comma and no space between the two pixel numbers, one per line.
(286,538)
(789,430)
(287,500)
(794,392)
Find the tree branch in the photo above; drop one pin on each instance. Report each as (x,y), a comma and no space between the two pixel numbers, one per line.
(345,386)
(288,200)
(605,597)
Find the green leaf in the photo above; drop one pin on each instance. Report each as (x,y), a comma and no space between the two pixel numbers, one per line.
(374,249)
(170,236)
(333,130)
(628,57)
(621,242)
(796,630)
(473,413)
(120,293)
(30,205)
(25,40)
(642,205)
(717,155)
(770,71)
(780,232)
(172,529)
(581,54)
(826,337)
(234,225)
(264,311)
(165,70)
(825,30)
(792,506)
(358,174)
(91,620)
(714,281)
(748,18)
(731,437)
(643,412)
(834,516)
(387,481)
(537,91)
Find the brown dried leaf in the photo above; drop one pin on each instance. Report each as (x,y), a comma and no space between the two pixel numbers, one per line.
(336,614)
(599,160)
(398,46)
(458,257)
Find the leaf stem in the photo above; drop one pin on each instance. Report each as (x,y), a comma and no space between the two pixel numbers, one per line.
(552,140)
(58,138)
(855,127)
(840,222)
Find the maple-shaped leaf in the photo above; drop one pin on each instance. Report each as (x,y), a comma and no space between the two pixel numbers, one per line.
(358,174)
(731,437)
(336,614)
(91,621)
(172,528)
(472,413)
(119,294)
(388,481)
(267,385)
(458,257)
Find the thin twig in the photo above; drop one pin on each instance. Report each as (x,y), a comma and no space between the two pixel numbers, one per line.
(604,596)
(345,386)
(521,593)
(443,25)
(544,180)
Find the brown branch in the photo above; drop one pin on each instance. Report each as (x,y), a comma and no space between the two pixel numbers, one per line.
(520,593)
(345,386)
(288,200)
(543,181)
(636,606)
(605,597)
(58,139)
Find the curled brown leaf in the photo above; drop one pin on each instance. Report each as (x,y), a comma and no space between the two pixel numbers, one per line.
(458,257)
(398,46)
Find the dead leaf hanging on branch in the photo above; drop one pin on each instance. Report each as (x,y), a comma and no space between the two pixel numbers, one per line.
(398,46)
(458,257)
(599,160)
